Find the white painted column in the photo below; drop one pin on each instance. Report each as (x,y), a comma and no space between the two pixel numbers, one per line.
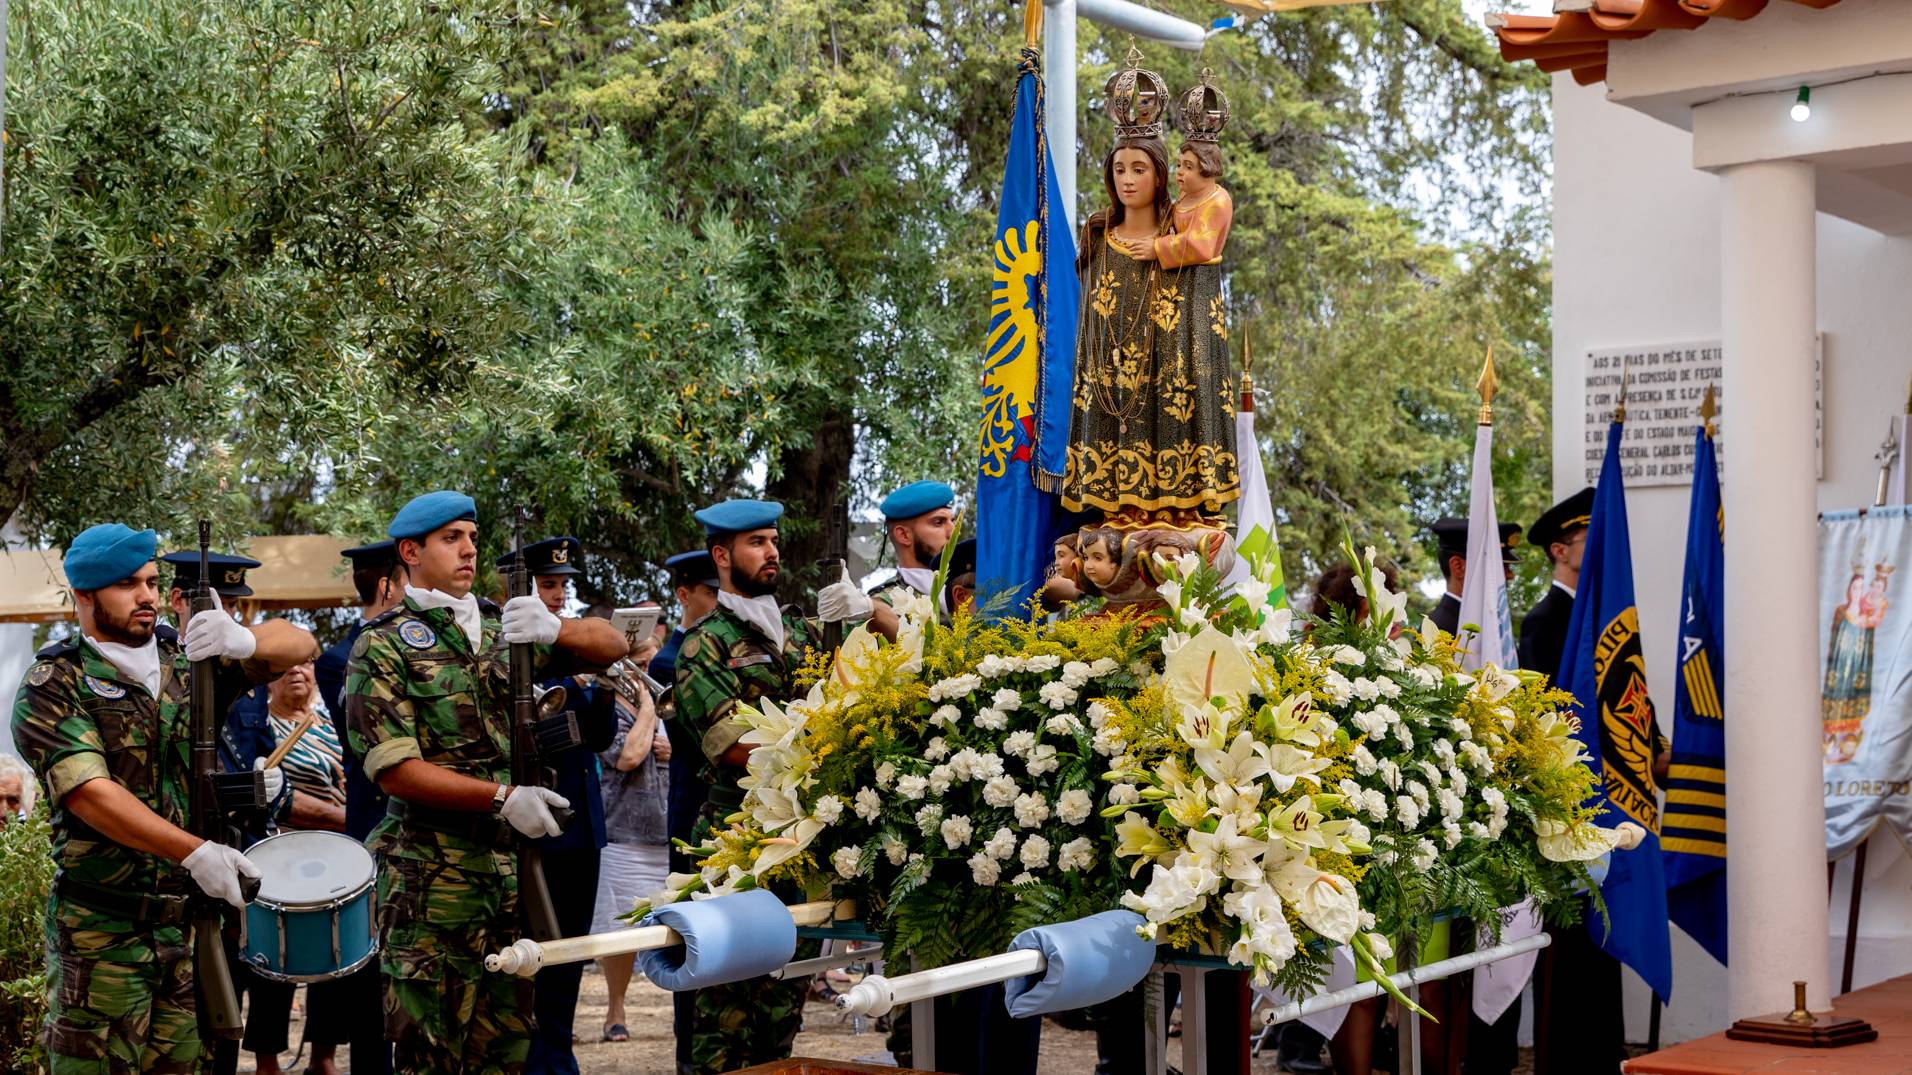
(1774,804)
(1059,97)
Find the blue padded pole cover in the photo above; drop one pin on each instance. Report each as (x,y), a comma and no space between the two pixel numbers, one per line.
(1090,960)
(726,939)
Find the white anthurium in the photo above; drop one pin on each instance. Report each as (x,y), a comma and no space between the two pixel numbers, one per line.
(1211,665)
(1584,841)
(777,850)
(1286,764)
(1241,764)
(1227,852)
(1326,902)
(1137,838)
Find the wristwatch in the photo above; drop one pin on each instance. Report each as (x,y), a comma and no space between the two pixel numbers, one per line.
(498,799)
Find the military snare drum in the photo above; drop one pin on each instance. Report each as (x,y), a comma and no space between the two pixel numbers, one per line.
(313,919)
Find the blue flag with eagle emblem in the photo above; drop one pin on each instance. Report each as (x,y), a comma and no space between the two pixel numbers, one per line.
(1693,832)
(1604,667)
(1028,365)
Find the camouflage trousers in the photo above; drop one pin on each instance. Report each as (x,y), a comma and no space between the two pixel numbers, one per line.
(443,1011)
(748,1022)
(119,1000)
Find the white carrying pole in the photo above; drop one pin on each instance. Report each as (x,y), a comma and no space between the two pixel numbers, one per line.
(876,995)
(1059,99)
(525,957)
(1445,968)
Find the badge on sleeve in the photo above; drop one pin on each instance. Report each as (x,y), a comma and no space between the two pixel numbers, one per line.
(416,634)
(104,688)
(39,674)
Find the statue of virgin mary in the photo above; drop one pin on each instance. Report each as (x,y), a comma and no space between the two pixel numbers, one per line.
(1152,434)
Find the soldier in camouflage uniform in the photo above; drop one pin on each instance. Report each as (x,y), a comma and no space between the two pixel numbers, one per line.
(918,519)
(104,718)
(428,706)
(746,650)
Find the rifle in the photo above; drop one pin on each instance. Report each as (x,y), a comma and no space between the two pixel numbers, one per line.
(834,565)
(219,1018)
(537,729)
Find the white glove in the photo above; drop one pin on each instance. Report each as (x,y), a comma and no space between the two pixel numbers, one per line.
(275,780)
(528,809)
(527,620)
(215,634)
(216,868)
(841,601)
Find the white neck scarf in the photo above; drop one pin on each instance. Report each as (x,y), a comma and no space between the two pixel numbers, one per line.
(463,609)
(762,613)
(136,664)
(919,579)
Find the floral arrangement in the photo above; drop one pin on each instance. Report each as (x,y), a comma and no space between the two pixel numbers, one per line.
(1253,786)
(1290,792)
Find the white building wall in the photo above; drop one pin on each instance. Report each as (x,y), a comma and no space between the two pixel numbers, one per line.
(1636,261)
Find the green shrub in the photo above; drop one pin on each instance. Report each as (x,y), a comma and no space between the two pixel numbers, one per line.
(26,876)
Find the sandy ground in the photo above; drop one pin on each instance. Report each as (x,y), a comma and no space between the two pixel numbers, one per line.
(826,1035)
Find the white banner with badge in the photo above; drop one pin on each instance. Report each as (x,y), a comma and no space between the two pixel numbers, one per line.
(1865,699)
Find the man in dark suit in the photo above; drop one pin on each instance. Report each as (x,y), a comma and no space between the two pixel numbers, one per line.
(1450,548)
(1562,534)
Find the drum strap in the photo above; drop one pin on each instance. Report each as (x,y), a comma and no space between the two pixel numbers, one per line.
(468,825)
(146,909)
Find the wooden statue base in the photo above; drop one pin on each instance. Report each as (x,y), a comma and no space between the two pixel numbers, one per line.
(1826,1032)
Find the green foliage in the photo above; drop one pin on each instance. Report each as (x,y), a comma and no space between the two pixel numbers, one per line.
(607,262)
(252,220)
(26,878)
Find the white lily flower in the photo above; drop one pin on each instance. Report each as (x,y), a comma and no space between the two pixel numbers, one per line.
(1225,851)
(1286,764)
(1241,764)
(1136,838)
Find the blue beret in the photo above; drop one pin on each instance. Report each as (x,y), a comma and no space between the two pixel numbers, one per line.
(426,513)
(104,554)
(739,516)
(917,498)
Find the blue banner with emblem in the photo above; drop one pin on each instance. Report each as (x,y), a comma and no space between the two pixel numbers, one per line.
(1604,667)
(1028,366)
(1693,829)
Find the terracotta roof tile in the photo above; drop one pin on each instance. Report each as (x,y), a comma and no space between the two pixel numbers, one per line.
(1575,37)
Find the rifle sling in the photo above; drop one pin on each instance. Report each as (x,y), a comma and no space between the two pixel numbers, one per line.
(145,909)
(464,824)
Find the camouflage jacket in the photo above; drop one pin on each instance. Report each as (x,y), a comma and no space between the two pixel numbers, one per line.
(414,688)
(76,719)
(725,662)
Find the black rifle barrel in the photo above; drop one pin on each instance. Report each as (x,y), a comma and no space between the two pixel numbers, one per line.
(527,769)
(218,1001)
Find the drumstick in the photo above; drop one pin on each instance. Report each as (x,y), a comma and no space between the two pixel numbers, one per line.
(305,725)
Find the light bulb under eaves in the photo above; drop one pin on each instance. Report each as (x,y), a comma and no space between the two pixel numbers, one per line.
(1802,105)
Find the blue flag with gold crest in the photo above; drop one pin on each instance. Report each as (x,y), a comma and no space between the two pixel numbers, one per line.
(1604,667)
(1693,832)
(1028,364)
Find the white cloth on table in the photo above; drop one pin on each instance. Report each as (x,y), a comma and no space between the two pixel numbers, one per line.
(627,873)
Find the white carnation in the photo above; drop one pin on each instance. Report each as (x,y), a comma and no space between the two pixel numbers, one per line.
(895,849)
(939,779)
(937,749)
(928,817)
(955,687)
(1124,794)
(1074,806)
(1018,743)
(1000,791)
(946,716)
(1058,696)
(1077,854)
(956,831)
(1031,809)
(984,870)
(1002,845)
(885,775)
(1046,662)
(1042,759)
(991,720)
(868,805)
(912,787)
(1063,724)
(1035,852)
(845,861)
(1006,700)
(828,809)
